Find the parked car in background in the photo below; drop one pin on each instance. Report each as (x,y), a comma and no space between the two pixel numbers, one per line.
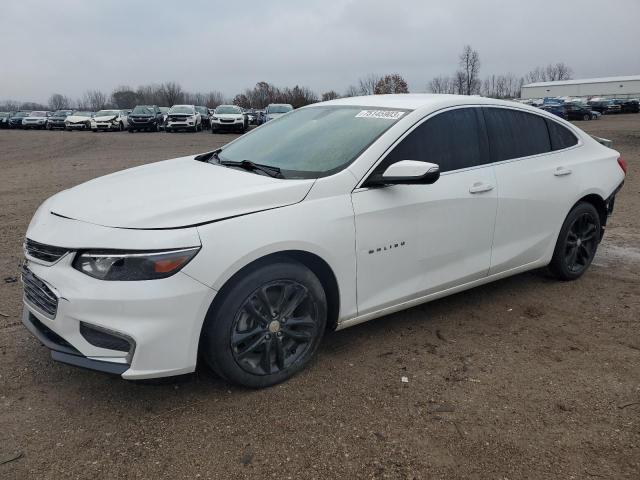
(204,115)
(228,117)
(276,110)
(79,120)
(57,119)
(604,106)
(4,119)
(109,120)
(577,111)
(15,120)
(252,117)
(165,112)
(183,117)
(595,115)
(555,108)
(36,119)
(145,117)
(244,256)
(628,105)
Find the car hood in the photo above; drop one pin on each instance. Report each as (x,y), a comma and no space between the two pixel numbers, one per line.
(175,193)
(105,118)
(77,118)
(232,116)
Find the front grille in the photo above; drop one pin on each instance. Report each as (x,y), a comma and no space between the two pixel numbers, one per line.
(178,118)
(38,294)
(46,253)
(103,339)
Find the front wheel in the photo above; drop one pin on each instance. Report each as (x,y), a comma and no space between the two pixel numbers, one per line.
(577,243)
(586,117)
(267,327)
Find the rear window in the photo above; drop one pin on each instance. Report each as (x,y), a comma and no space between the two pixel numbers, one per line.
(561,137)
(515,134)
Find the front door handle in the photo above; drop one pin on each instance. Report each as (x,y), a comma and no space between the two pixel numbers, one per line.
(480,187)
(561,171)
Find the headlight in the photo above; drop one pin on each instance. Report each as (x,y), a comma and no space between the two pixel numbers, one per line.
(214,118)
(106,265)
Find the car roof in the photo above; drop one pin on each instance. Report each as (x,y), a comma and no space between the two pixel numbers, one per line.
(421,101)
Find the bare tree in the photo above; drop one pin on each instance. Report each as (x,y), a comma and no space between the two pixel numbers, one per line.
(124,97)
(330,95)
(171,93)
(58,101)
(459,82)
(470,67)
(213,99)
(558,71)
(94,100)
(352,91)
(550,73)
(393,83)
(367,84)
(441,84)
(242,100)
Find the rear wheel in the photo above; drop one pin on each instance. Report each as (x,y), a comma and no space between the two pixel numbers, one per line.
(267,327)
(586,117)
(577,243)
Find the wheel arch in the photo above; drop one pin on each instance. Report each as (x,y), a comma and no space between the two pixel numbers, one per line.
(599,204)
(312,261)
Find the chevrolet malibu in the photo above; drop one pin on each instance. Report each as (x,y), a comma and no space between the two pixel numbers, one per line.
(332,215)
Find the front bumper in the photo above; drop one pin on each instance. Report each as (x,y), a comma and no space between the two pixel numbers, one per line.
(161,319)
(216,124)
(77,126)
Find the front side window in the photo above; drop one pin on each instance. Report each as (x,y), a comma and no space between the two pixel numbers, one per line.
(313,142)
(452,140)
(515,134)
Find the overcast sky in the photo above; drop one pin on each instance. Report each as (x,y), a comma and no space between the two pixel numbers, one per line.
(69,46)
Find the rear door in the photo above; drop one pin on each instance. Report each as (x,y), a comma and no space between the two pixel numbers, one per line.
(534,159)
(413,240)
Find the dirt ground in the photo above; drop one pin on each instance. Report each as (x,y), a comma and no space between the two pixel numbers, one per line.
(523,378)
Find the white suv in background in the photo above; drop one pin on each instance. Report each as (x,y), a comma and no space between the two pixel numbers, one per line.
(183,117)
(337,213)
(36,119)
(228,117)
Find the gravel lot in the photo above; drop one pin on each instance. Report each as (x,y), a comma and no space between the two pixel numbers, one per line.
(523,378)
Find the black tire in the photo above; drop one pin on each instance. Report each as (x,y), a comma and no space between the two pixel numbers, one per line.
(167,130)
(577,243)
(263,348)
(131,130)
(121,127)
(586,117)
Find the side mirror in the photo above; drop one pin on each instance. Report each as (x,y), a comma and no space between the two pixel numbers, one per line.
(406,172)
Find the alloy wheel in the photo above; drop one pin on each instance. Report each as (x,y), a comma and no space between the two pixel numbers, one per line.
(581,243)
(274,327)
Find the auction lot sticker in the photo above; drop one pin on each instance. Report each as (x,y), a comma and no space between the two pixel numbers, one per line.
(384,114)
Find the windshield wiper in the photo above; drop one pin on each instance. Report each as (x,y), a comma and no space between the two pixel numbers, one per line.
(251,166)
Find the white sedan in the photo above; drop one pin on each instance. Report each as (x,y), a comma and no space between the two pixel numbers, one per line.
(335,214)
(229,117)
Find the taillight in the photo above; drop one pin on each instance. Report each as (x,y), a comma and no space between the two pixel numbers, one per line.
(623,164)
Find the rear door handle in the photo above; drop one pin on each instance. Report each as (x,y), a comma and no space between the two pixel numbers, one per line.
(480,187)
(561,171)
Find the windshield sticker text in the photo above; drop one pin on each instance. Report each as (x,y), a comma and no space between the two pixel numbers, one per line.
(384,114)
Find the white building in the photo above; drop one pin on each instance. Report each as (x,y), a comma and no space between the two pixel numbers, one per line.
(613,87)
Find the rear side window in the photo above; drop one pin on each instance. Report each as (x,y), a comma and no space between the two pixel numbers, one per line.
(515,134)
(451,139)
(561,137)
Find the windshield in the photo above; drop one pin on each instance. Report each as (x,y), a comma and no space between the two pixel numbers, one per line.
(4,114)
(182,109)
(21,114)
(83,114)
(62,113)
(222,109)
(313,142)
(279,108)
(107,113)
(143,110)
(38,114)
